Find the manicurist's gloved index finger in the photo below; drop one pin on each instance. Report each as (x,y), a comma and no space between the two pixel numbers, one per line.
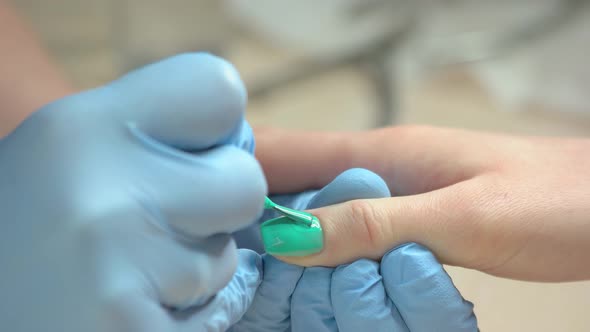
(131,226)
(421,288)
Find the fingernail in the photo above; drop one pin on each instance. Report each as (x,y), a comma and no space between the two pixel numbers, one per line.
(284,236)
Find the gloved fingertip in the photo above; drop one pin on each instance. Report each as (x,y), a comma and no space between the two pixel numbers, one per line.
(355,183)
(311,303)
(358,265)
(271,307)
(420,287)
(365,269)
(235,89)
(200,100)
(409,262)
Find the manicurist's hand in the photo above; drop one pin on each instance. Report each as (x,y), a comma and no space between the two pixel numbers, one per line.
(114,205)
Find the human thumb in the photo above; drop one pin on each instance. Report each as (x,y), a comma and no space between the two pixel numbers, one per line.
(369,228)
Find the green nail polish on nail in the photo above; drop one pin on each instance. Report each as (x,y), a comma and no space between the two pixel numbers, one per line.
(296,233)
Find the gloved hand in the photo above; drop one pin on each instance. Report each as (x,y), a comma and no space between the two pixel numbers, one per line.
(108,224)
(407,291)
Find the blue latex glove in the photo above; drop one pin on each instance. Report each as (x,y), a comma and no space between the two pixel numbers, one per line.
(408,291)
(108,224)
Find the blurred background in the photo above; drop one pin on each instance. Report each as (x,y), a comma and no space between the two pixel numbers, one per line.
(518,66)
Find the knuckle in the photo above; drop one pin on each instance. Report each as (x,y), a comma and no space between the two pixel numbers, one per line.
(364,215)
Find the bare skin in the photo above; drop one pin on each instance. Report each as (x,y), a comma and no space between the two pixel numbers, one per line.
(28,78)
(515,207)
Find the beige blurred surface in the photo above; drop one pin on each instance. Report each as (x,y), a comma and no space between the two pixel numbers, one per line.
(87,41)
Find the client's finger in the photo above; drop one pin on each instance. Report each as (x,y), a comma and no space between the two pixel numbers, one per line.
(411,159)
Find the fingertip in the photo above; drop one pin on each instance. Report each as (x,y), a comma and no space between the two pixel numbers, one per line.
(347,219)
(409,262)
(223,74)
(346,274)
(271,308)
(191,101)
(345,239)
(235,85)
(235,192)
(422,288)
(359,299)
(355,183)
(225,81)
(311,303)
